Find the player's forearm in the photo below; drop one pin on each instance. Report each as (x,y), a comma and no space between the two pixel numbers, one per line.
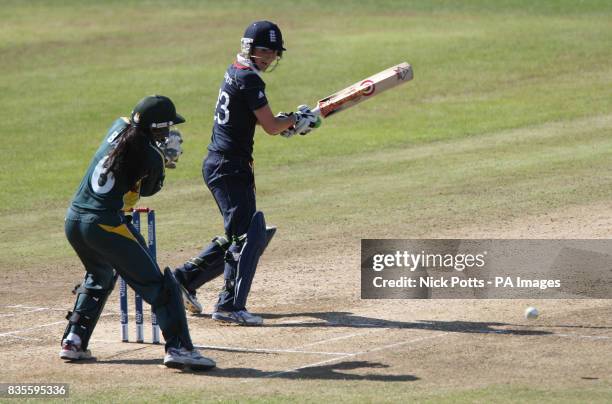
(279,124)
(273,125)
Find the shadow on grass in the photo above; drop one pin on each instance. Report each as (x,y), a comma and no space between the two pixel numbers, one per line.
(347,319)
(131,361)
(335,371)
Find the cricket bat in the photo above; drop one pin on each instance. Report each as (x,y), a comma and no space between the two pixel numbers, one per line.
(364,89)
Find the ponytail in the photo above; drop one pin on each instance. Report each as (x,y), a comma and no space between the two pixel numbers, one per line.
(128,157)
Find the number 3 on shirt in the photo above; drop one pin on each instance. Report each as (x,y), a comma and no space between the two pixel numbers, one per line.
(221,112)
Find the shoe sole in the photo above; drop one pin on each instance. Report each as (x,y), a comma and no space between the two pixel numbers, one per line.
(232,321)
(188,305)
(191,308)
(226,323)
(183,366)
(174,365)
(73,356)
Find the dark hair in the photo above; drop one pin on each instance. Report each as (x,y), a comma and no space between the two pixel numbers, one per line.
(128,157)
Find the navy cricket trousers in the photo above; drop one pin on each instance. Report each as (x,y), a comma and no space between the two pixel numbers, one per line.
(232,182)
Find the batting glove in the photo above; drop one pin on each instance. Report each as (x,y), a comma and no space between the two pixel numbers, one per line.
(290,131)
(306,120)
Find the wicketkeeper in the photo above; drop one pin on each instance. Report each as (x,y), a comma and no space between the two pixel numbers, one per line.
(127,165)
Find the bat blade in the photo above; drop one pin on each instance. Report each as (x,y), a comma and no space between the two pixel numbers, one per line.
(364,89)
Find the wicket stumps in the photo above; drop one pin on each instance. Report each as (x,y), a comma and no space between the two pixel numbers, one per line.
(123,298)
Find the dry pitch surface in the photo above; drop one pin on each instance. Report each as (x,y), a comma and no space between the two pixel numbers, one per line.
(320,340)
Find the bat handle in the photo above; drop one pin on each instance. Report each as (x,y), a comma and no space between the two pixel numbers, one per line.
(317,111)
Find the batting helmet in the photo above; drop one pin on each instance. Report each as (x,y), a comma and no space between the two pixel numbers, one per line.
(263,34)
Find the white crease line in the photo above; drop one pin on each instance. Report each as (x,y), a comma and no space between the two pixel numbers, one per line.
(356,354)
(35,308)
(268,350)
(23,312)
(566,335)
(10,333)
(290,322)
(339,338)
(236,349)
(38,326)
(23,338)
(402,343)
(21,306)
(582,336)
(108,341)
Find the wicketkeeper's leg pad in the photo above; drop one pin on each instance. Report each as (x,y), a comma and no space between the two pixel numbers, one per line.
(86,311)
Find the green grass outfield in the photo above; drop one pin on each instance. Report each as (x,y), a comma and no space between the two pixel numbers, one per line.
(510,113)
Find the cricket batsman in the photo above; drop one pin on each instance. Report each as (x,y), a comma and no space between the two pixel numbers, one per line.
(228,173)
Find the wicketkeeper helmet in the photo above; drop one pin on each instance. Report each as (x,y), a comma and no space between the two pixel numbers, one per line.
(155,112)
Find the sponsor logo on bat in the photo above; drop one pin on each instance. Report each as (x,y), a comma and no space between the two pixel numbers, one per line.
(401,73)
(367,87)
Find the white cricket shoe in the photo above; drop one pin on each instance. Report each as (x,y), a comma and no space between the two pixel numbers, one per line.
(241,317)
(73,352)
(182,358)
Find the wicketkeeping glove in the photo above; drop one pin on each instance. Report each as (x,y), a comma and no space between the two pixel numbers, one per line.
(172,148)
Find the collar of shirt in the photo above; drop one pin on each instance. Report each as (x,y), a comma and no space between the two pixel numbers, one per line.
(248,63)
